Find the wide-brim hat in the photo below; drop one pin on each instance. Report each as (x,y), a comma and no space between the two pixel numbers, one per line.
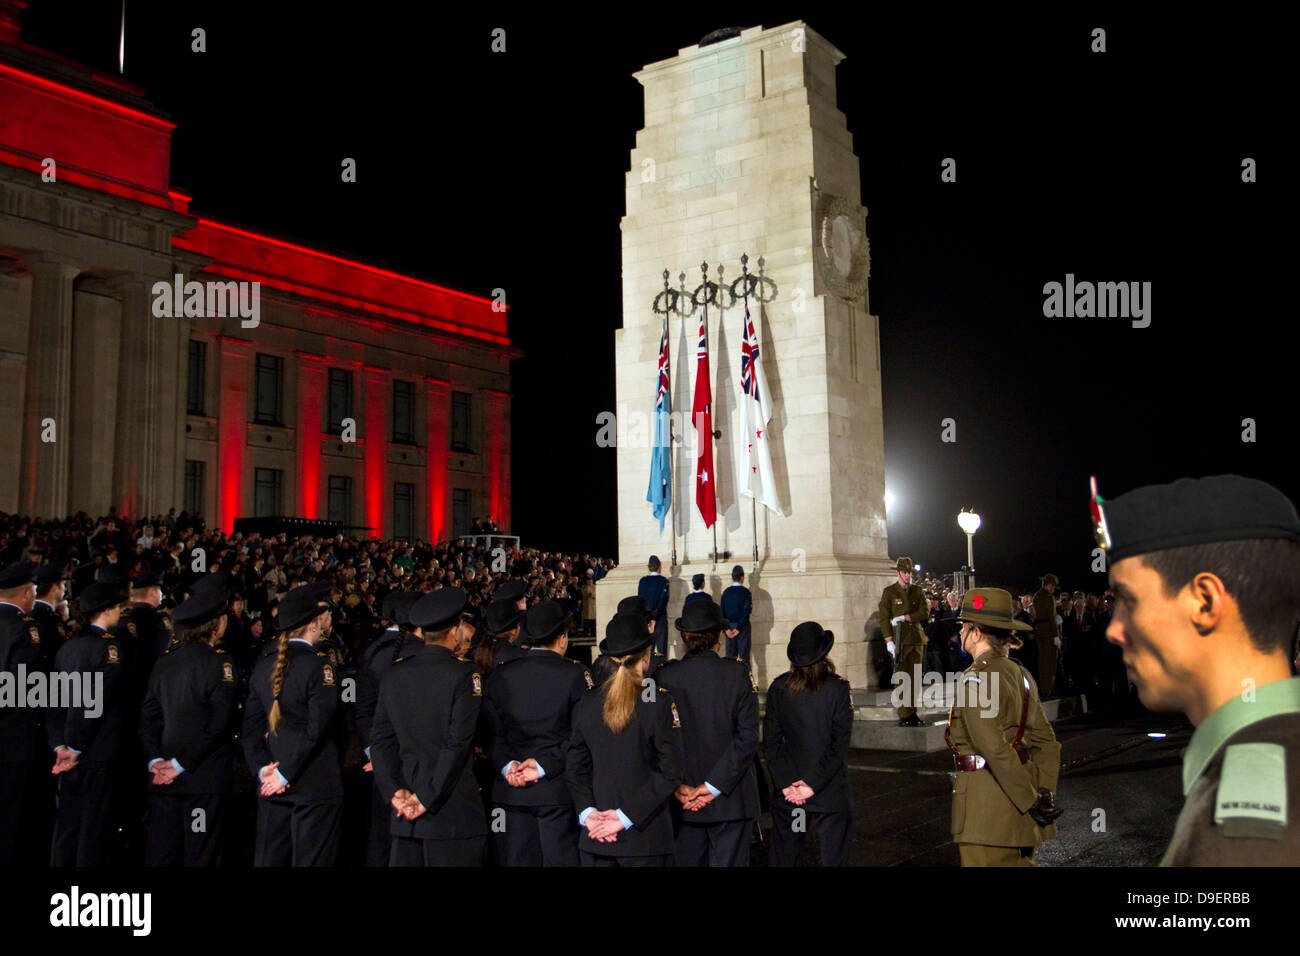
(502,616)
(100,596)
(207,605)
(1051,579)
(397,606)
(299,606)
(991,607)
(809,643)
(511,591)
(701,617)
(626,634)
(544,621)
(438,609)
(903,564)
(22,572)
(635,604)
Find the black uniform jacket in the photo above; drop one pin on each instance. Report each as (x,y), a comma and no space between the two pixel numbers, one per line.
(98,738)
(376,659)
(527,705)
(186,715)
(806,737)
(306,742)
(20,727)
(50,627)
(422,740)
(718,704)
(635,771)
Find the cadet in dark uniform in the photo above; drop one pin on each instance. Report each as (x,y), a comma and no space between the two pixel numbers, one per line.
(737,604)
(1007,757)
(378,656)
(500,630)
(654,588)
(527,705)
(87,740)
(697,592)
(1046,634)
(1207,579)
(903,612)
(718,703)
(625,758)
(806,732)
(50,580)
(422,743)
(290,739)
(24,757)
(513,592)
(186,727)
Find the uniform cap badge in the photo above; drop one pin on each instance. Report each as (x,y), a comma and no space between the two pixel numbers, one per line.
(478,684)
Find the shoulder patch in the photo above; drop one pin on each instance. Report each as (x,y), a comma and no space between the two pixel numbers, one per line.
(1251,799)
(34,634)
(227,672)
(478,683)
(130,626)
(586,675)
(111,654)
(328,673)
(677,721)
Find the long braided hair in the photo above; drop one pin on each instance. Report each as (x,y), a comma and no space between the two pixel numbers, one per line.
(281,669)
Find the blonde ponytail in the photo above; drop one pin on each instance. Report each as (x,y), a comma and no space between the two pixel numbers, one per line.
(277,677)
(624,685)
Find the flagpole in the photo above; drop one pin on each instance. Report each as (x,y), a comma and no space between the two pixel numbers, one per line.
(672,465)
(704,320)
(753,499)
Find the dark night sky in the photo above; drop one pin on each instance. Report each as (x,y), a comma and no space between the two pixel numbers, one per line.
(1116,167)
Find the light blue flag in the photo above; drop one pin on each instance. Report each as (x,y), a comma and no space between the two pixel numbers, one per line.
(660,493)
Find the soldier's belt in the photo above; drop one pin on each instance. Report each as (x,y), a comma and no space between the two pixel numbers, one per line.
(969,761)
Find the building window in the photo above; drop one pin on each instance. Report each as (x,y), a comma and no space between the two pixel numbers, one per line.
(340,400)
(403,411)
(266,492)
(194,487)
(270,388)
(460,517)
(197,383)
(340,499)
(460,421)
(404,510)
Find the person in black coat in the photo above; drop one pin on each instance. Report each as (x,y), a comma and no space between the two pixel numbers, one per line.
(718,703)
(50,580)
(88,748)
(24,758)
(422,742)
(806,731)
(186,732)
(737,605)
(376,659)
(498,635)
(653,587)
(290,738)
(625,758)
(527,706)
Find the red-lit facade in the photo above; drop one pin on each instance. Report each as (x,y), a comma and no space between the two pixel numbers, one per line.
(361,395)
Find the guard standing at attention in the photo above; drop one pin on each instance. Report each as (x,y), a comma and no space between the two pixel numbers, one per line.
(806,731)
(1206,575)
(1046,634)
(1007,757)
(24,758)
(88,744)
(422,742)
(718,703)
(737,605)
(186,727)
(654,588)
(625,758)
(903,613)
(290,740)
(50,585)
(527,706)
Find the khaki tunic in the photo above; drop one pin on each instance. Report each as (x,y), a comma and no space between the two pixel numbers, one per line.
(1241,778)
(912,602)
(990,806)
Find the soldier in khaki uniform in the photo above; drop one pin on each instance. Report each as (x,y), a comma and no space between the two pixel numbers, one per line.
(1006,755)
(1046,634)
(1206,574)
(903,611)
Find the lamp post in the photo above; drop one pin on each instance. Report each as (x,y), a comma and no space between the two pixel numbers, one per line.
(969,522)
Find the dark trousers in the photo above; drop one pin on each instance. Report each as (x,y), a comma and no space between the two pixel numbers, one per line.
(84,826)
(738,646)
(538,836)
(412,851)
(833,831)
(661,636)
(181,836)
(379,841)
(298,833)
(713,844)
(592,859)
(26,813)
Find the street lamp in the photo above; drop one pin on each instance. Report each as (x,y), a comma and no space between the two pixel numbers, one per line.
(969,522)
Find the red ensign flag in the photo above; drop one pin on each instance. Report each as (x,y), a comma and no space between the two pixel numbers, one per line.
(702,417)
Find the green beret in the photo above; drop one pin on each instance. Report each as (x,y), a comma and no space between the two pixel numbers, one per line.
(1197,511)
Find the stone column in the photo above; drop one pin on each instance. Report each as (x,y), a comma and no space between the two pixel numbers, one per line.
(378,386)
(139,397)
(311,391)
(236,375)
(43,485)
(438,408)
(496,455)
